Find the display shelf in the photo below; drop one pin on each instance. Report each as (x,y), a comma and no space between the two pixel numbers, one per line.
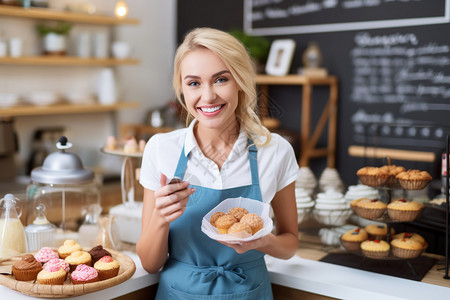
(65,109)
(65,61)
(49,14)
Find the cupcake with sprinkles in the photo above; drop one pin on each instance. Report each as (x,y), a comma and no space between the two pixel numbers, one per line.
(45,254)
(84,274)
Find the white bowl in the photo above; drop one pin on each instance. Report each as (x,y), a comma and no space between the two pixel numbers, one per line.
(41,97)
(335,217)
(9,99)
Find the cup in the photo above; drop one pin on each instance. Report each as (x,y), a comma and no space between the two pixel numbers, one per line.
(120,50)
(15,47)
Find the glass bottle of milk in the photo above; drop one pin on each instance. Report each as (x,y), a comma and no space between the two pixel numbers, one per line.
(12,235)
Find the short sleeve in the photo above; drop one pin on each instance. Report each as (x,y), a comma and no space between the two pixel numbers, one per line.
(288,170)
(150,170)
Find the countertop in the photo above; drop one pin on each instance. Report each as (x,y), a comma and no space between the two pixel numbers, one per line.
(300,273)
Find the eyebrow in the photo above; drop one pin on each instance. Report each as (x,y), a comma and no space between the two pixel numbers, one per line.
(214,75)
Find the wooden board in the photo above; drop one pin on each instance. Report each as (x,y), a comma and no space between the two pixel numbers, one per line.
(127,269)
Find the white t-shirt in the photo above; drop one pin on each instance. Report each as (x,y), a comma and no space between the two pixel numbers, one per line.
(277,165)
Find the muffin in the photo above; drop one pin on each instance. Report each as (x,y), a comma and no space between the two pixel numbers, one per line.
(52,274)
(27,268)
(352,239)
(215,216)
(98,252)
(224,222)
(256,222)
(409,235)
(407,248)
(238,212)
(241,230)
(59,263)
(375,249)
(84,274)
(404,211)
(378,231)
(393,171)
(413,179)
(373,176)
(370,208)
(107,267)
(78,258)
(68,248)
(45,254)
(354,206)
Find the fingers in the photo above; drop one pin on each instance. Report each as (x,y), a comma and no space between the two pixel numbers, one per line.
(163,179)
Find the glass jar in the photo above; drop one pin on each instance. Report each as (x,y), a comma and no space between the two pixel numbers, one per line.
(65,188)
(12,235)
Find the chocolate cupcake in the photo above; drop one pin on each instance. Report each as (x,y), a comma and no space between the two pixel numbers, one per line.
(98,252)
(27,268)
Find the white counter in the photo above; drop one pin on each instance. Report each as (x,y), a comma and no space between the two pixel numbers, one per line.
(297,273)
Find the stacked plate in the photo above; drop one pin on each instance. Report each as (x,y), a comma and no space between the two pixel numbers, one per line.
(304,204)
(306,180)
(331,208)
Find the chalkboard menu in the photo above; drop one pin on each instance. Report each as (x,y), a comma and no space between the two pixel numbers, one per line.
(392,60)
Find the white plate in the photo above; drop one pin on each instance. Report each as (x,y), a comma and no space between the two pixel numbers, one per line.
(253,206)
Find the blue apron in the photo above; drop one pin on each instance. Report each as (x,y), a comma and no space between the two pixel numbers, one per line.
(201,268)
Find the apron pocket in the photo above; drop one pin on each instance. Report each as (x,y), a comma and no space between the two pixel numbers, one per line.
(257,293)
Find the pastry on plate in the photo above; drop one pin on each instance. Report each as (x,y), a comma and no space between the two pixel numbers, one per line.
(45,254)
(414,179)
(404,210)
(98,252)
(26,268)
(240,230)
(78,258)
(52,274)
(378,231)
(215,216)
(238,212)
(256,222)
(224,222)
(370,208)
(352,239)
(68,248)
(373,176)
(407,247)
(107,267)
(84,274)
(375,249)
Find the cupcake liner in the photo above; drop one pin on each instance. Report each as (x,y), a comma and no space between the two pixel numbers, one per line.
(85,281)
(413,184)
(107,274)
(373,180)
(54,281)
(351,245)
(370,213)
(406,253)
(25,275)
(376,254)
(404,215)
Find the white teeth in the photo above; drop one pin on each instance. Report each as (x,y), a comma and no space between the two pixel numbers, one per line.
(211,109)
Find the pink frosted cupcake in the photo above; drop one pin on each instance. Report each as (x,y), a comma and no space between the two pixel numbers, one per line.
(84,274)
(58,262)
(45,254)
(52,274)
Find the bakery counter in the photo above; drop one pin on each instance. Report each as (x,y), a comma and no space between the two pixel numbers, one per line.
(297,276)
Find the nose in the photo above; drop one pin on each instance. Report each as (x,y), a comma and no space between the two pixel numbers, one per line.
(208,93)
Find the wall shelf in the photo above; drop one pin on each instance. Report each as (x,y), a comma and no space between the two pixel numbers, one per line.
(48,14)
(33,110)
(65,61)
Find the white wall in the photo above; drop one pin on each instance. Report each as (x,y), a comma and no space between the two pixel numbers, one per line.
(153,43)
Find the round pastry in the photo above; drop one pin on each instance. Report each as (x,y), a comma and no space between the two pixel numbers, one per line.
(68,248)
(405,211)
(98,252)
(224,222)
(78,258)
(375,249)
(45,254)
(58,262)
(378,231)
(131,146)
(370,208)
(407,248)
(413,179)
(238,212)
(354,206)
(84,274)
(372,176)
(111,143)
(27,268)
(107,267)
(409,235)
(215,216)
(352,239)
(255,222)
(240,230)
(52,274)
(393,171)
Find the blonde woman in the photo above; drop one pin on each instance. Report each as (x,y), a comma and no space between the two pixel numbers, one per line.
(224,152)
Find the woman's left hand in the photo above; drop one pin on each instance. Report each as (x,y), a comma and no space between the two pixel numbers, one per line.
(245,246)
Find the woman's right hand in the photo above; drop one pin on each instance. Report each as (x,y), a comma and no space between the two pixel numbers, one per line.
(171,199)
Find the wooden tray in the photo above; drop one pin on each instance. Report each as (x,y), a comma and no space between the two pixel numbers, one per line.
(127,269)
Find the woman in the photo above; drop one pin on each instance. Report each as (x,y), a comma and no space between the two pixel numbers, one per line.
(224,153)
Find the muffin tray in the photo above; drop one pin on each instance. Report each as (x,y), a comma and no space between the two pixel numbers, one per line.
(127,269)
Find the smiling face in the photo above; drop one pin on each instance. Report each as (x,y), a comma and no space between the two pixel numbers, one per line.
(210,91)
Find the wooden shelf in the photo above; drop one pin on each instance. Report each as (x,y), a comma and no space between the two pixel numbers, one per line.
(48,14)
(54,60)
(32,110)
(295,80)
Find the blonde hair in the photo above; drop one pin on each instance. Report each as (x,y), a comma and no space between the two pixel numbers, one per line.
(238,62)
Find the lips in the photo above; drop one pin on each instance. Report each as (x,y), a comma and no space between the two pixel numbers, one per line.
(211,110)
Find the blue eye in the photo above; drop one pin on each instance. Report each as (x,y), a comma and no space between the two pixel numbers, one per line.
(221,79)
(193,83)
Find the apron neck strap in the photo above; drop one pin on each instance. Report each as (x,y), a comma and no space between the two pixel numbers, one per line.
(252,157)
